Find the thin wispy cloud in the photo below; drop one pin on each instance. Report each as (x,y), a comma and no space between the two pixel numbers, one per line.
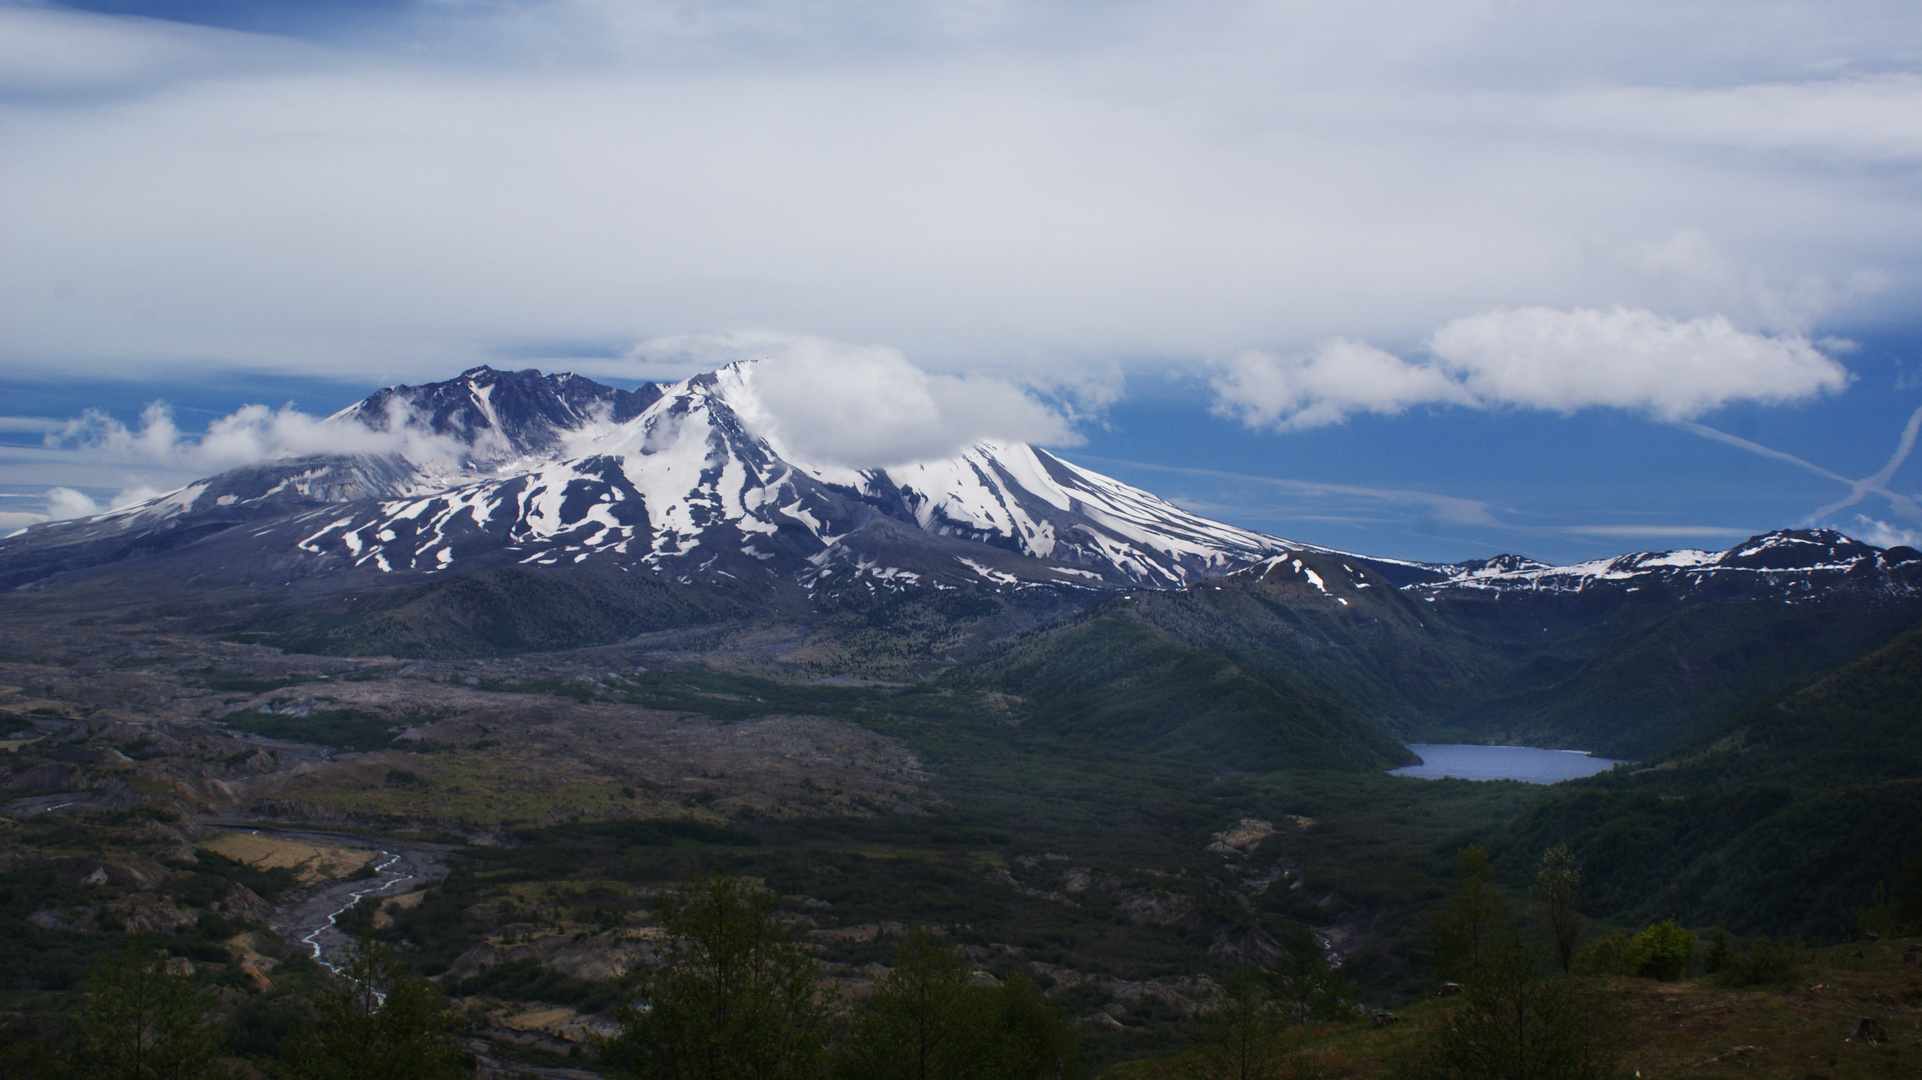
(1447,508)
(1660,532)
(1876,483)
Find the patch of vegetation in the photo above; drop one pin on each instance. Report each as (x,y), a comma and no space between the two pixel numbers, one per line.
(346,728)
(212,874)
(526,980)
(1115,679)
(236,683)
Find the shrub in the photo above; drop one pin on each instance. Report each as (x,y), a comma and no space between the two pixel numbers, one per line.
(1762,962)
(1663,951)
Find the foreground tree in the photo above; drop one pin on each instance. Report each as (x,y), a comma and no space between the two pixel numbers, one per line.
(1559,884)
(1474,922)
(923,1022)
(735,997)
(141,1022)
(377,1020)
(1248,1035)
(1031,1039)
(1512,1022)
(1306,986)
(927,1020)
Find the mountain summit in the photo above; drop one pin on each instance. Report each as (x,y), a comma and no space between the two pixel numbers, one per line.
(501,415)
(687,488)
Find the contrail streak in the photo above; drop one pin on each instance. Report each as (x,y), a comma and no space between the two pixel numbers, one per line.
(1875,483)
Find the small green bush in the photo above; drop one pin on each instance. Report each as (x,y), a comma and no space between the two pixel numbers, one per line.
(1762,962)
(1663,951)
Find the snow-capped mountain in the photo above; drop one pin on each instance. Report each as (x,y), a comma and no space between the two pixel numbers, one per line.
(1788,563)
(401,441)
(686,489)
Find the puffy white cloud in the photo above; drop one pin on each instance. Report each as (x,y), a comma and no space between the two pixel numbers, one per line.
(1671,368)
(65,502)
(1536,358)
(249,434)
(1324,387)
(1882,534)
(824,402)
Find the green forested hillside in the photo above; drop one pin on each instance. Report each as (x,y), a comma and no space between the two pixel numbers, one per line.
(1113,680)
(1779,821)
(1623,677)
(1631,680)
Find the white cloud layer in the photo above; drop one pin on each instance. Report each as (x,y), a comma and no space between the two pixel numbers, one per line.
(65,502)
(1670,368)
(1039,182)
(1536,358)
(868,407)
(249,434)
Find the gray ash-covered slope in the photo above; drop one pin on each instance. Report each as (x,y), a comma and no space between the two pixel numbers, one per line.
(688,491)
(404,440)
(1788,564)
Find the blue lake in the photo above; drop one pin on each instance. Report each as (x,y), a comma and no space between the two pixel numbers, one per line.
(1466,762)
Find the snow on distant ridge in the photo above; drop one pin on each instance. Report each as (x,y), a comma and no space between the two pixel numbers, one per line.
(1786,557)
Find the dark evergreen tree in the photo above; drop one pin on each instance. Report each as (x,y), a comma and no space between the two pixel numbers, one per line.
(376,1020)
(1474,921)
(1031,1039)
(1513,1022)
(734,998)
(143,1022)
(1306,986)
(923,1022)
(1559,884)
(1247,1036)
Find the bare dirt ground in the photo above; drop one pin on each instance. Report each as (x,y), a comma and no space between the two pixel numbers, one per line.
(166,714)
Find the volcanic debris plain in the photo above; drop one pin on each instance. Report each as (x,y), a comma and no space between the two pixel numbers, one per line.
(494,715)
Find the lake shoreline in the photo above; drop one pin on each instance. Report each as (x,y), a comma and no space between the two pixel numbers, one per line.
(1529,764)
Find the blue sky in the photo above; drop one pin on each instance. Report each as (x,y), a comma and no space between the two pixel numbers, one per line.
(1430,280)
